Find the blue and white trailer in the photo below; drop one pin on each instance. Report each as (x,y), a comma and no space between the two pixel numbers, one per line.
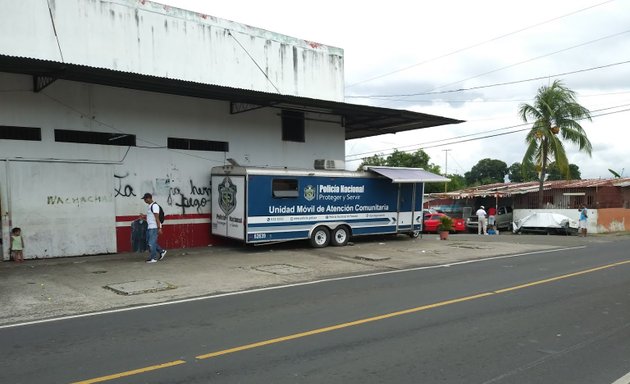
(259,205)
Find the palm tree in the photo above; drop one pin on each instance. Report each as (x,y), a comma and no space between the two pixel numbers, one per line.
(554,113)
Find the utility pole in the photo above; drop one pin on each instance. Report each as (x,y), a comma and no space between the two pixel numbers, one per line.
(445,166)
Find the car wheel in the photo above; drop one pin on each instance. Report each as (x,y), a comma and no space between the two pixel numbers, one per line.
(340,236)
(320,237)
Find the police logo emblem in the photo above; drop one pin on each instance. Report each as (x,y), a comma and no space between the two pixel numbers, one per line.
(227,196)
(309,192)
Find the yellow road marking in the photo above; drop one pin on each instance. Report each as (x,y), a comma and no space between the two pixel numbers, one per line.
(340,326)
(131,373)
(561,277)
(400,313)
(349,324)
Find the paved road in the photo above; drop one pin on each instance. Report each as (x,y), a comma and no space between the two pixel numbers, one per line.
(69,286)
(559,317)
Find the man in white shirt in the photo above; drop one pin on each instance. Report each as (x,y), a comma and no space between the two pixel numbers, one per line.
(482,222)
(154,228)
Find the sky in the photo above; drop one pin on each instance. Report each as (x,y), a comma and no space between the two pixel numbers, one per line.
(454,57)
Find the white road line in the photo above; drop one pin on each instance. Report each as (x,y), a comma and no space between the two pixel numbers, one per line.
(34,322)
(623,380)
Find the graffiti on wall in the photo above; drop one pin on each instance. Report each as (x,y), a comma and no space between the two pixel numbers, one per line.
(196,198)
(190,198)
(76,200)
(121,189)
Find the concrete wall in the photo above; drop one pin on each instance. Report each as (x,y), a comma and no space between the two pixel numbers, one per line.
(150,38)
(61,215)
(179,179)
(613,220)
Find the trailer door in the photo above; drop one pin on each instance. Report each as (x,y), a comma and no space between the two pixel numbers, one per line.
(228,206)
(406,205)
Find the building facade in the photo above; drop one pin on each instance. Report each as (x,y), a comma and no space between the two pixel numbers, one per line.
(608,200)
(101,102)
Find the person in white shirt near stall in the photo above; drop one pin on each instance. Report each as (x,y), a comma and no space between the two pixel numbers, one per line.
(482,221)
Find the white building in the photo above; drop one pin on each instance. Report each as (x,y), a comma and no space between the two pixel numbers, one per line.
(101,101)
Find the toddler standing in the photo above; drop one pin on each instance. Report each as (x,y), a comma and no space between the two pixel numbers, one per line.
(17,245)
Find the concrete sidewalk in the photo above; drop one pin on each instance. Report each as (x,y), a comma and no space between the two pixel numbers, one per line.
(40,289)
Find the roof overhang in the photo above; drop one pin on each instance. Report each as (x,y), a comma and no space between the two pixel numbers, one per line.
(408,175)
(358,120)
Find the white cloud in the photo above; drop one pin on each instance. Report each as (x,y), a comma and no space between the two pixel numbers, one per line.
(382,37)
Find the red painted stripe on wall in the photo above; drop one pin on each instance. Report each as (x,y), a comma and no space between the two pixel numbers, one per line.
(167,217)
(173,236)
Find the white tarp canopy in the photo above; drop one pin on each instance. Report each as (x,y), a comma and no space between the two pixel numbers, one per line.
(544,220)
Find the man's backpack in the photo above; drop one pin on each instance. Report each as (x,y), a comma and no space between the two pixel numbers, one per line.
(161,214)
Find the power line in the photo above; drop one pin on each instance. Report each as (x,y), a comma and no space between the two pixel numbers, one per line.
(478,44)
(516,131)
(533,59)
(422,145)
(449,141)
(253,60)
(492,85)
(490,100)
(457,162)
(52,21)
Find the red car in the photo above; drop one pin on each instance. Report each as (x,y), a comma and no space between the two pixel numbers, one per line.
(432,222)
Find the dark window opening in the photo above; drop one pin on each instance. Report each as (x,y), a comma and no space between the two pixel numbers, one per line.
(198,145)
(88,137)
(293,126)
(284,188)
(589,201)
(20,133)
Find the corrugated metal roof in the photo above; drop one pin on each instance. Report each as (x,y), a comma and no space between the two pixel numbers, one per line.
(507,189)
(359,120)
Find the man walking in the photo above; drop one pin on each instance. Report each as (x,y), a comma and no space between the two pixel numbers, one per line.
(482,221)
(154,228)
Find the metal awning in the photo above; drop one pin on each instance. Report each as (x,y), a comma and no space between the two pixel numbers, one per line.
(358,121)
(408,175)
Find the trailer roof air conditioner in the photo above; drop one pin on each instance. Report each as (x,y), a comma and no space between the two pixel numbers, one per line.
(329,164)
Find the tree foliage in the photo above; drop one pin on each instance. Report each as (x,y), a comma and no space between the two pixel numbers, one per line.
(518,172)
(457,182)
(555,114)
(417,159)
(554,172)
(616,174)
(487,171)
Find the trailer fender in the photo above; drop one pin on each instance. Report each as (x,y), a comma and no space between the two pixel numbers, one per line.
(331,225)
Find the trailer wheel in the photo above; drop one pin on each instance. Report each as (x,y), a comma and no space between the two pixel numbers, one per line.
(414,234)
(340,236)
(320,237)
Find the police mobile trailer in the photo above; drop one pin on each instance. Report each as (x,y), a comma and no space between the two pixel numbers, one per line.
(259,205)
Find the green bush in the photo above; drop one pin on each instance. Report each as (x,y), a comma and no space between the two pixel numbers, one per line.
(446,224)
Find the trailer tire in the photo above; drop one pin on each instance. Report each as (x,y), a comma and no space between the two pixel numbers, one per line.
(320,237)
(340,236)
(414,234)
